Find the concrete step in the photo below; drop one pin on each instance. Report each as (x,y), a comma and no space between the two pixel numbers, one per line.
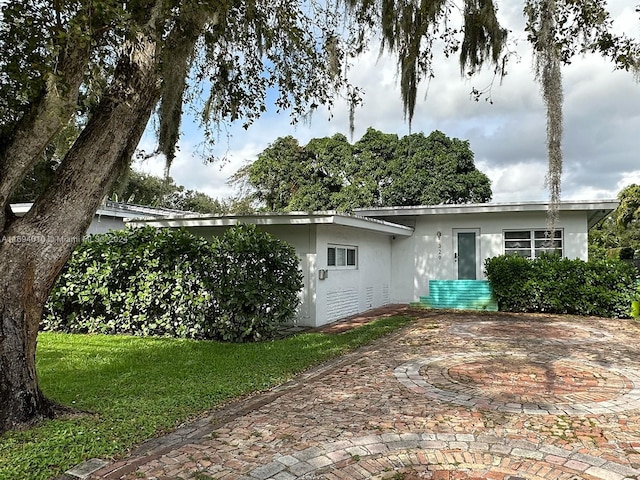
(460,295)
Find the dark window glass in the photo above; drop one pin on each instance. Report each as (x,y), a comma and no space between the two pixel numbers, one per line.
(351,257)
(331,256)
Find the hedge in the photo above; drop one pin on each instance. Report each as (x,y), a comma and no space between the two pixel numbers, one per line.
(552,284)
(169,282)
(258,283)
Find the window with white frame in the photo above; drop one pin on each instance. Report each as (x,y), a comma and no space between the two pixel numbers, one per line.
(342,256)
(533,243)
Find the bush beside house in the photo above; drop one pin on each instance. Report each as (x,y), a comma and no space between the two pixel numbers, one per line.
(168,282)
(258,281)
(553,284)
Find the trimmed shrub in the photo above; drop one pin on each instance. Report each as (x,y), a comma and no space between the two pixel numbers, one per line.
(169,282)
(552,284)
(509,277)
(143,281)
(258,284)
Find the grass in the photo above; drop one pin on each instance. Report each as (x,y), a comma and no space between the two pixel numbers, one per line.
(135,388)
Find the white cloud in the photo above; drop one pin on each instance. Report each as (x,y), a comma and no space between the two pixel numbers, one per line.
(523,181)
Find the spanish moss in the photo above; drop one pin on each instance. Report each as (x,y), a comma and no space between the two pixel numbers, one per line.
(484,38)
(409,28)
(175,70)
(544,13)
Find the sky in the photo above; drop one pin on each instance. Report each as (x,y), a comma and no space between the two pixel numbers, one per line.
(601,123)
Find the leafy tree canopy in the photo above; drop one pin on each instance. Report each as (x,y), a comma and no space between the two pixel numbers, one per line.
(380,169)
(621,229)
(628,211)
(146,189)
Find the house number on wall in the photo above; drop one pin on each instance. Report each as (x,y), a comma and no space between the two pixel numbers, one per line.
(439,236)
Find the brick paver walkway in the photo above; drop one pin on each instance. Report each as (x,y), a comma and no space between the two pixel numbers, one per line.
(452,396)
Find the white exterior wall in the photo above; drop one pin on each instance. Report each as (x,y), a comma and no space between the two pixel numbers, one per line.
(104,224)
(350,291)
(424,257)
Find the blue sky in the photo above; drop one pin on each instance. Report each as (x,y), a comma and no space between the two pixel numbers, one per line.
(601,110)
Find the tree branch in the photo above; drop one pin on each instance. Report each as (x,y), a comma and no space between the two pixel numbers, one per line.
(50,112)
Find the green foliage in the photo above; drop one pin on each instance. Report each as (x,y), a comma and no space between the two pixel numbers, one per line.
(41,43)
(432,170)
(629,209)
(66,59)
(146,189)
(635,303)
(142,281)
(378,170)
(553,284)
(508,276)
(199,202)
(169,282)
(604,236)
(135,187)
(137,388)
(621,229)
(257,283)
(273,174)
(240,50)
(41,174)
(621,253)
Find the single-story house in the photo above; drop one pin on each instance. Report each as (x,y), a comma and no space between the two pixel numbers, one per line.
(355,262)
(111,215)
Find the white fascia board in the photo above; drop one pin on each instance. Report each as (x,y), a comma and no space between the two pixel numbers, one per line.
(449,209)
(227,220)
(294,218)
(108,212)
(372,224)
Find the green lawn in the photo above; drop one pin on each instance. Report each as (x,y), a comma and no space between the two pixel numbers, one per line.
(135,388)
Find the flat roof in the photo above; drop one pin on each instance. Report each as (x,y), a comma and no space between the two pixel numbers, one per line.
(289,218)
(366,218)
(596,209)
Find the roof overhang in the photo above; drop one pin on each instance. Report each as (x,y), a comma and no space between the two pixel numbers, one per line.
(111,209)
(292,218)
(596,210)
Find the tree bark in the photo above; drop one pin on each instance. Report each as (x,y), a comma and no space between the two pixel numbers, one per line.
(34,248)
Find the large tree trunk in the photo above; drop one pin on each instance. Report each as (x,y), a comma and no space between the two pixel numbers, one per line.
(35,248)
(20,309)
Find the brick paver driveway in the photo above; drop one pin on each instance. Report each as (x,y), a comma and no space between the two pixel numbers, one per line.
(452,396)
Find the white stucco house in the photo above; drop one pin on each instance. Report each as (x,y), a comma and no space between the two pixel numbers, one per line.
(379,256)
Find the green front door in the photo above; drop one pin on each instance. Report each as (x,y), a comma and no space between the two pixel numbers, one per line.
(466,256)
